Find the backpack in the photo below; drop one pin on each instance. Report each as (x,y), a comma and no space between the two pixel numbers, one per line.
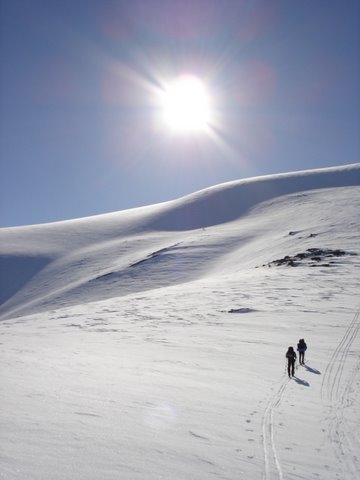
(290,355)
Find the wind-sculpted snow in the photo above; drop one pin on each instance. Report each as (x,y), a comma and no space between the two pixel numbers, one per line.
(77,261)
(227,202)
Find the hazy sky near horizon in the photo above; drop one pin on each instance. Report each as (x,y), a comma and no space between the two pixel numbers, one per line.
(79,120)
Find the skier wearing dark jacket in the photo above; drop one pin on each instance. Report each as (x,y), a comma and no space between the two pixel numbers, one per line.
(291,358)
(301,348)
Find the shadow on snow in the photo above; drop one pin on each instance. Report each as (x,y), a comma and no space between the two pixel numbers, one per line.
(312,370)
(301,382)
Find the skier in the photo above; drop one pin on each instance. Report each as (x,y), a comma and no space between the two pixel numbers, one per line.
(301,348)
(291,358)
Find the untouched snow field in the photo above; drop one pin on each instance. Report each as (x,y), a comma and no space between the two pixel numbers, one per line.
(150,343)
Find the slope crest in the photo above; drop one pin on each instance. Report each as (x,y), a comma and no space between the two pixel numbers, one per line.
(229,201)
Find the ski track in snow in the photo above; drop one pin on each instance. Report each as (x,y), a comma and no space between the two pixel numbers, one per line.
(270,454)
(336,390)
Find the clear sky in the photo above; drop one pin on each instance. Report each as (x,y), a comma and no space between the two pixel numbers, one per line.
(80,120)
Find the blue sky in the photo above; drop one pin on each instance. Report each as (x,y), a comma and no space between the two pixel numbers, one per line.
(79,124)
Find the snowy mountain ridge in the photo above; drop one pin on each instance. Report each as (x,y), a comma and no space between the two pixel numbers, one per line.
(41,262)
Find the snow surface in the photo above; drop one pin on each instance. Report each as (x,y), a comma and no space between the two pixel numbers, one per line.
(150,343)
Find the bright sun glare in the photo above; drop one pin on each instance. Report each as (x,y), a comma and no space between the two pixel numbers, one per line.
(185,105)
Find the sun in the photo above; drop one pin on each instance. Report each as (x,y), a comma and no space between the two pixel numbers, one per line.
(185,105)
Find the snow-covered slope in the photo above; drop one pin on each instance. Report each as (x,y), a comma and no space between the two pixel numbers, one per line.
(111,255)
(150,343)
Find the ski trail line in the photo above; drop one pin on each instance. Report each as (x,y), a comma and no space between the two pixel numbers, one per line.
(355,329)
(270,454)
(335,367)
(336,390)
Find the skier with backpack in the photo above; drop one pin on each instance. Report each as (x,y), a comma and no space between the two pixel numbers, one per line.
(301,348)
(291,359)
